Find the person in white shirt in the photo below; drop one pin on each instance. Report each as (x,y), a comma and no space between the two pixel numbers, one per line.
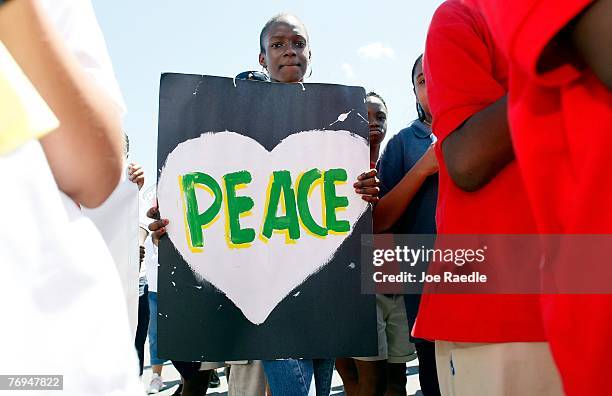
(117,217)
(60,291)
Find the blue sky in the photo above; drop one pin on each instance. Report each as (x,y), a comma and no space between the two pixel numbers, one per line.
(367,43)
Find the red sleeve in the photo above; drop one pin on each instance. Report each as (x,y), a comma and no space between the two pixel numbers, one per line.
(459,66)
(524,28)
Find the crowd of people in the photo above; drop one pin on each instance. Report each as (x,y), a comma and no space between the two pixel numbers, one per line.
(514,109)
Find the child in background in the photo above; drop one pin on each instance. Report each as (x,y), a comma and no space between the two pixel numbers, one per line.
(409,192)
(150,264)
(377,120)
(136,176)
(384,374)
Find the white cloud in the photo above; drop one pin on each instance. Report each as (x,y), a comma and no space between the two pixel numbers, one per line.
(348,70)
(376,51)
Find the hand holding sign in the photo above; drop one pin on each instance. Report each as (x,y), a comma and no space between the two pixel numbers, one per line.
(158,226)
(367,186)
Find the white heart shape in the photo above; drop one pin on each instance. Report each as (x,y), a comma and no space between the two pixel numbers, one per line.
(258,277)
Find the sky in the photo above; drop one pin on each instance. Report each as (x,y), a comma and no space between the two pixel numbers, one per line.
(372,44)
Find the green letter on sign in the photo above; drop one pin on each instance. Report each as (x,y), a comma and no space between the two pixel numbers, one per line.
(333,202)
(303,190)
(195,220)
(281,189)
(236,206)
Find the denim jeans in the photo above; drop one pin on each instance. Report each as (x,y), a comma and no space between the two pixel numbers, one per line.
(293,377)
(153,330)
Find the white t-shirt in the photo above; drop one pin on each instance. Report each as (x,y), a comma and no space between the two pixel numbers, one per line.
(59,290)
(151,264)
(144,230)
(62,299)
(117,217)
(76,22)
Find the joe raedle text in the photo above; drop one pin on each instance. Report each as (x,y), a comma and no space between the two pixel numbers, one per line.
(424,277)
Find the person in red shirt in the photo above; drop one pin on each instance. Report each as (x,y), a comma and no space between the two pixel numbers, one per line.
(560,110)
(485,344)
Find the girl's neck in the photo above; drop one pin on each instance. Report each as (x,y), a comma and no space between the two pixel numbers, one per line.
(290,82)
(374,151)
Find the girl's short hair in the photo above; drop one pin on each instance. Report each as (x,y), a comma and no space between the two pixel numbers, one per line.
(277,18)
(420,110)
(374,94)
(416,62)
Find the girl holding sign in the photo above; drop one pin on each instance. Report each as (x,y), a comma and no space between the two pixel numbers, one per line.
(285,54)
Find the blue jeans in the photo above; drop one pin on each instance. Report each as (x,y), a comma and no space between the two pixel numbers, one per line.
(153,329)
(293,377)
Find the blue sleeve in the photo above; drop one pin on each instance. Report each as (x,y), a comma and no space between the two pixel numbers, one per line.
(391,165)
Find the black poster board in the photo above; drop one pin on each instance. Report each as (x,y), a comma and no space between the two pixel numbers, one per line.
(326,316)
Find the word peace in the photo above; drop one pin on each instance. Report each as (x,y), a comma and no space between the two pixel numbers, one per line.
(280,193)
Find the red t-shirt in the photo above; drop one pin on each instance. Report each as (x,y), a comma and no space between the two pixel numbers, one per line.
(465,73)
(561,124)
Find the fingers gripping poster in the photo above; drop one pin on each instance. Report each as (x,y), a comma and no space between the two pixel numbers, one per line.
(261,259)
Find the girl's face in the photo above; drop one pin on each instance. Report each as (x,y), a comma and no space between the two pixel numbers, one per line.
(287,54)
(377,118)
(418,79)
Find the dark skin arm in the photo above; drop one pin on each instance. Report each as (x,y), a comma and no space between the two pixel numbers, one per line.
(85,152)
(586,40)
(391,207)
(480,148)
(591,36)
(367,186)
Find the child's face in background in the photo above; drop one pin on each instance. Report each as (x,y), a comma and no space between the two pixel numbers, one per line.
(287,51)
(377,119)
(420,87)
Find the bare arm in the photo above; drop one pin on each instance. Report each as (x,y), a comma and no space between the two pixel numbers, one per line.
(587,39)
(480,148)
(85,152)
(591,36)
(391,207)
